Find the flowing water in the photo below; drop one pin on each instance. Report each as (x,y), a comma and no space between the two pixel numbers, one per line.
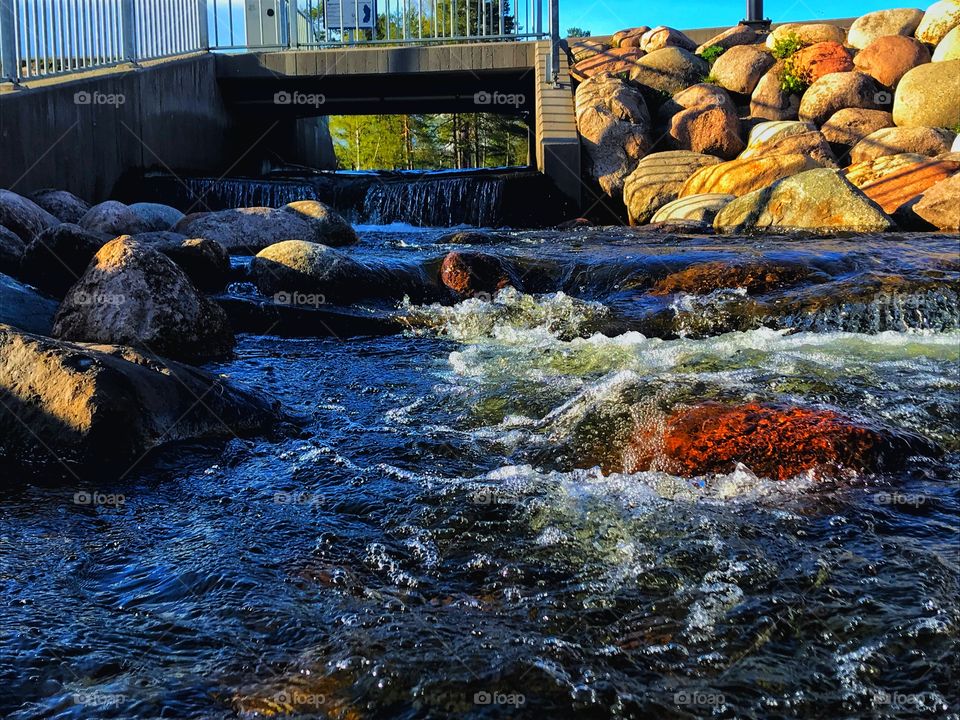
(430,536)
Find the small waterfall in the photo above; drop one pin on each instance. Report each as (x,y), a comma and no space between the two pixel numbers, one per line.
(243,192)
(436,202)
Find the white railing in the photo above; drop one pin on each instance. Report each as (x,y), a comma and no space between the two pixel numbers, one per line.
(43,38)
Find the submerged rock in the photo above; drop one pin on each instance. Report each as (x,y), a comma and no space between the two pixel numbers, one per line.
(58,256)
(817,200)
(756,277)
(63,205)
(772,440)
(113,218)
(24,217)
(658,179)
(468,274)
(132,294)
(99,407)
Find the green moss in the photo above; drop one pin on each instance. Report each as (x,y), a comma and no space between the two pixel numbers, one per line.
(711,53)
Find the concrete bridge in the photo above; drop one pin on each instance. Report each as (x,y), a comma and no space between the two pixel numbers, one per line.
(85,112)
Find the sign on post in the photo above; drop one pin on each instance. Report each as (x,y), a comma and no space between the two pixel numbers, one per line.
(357,14)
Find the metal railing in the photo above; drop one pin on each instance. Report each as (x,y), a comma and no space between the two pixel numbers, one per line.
(44,38)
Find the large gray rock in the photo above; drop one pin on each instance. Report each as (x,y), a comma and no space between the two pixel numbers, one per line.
(613,123)
(929,96)
(658,179)
(836,91)
(939,206)
(63,205)
(850,125)
(246,231)
(662,37)
(710,129)
(11,250)
(113,218)
(92,409)
(939,19)
(669,70)
(820,200)
(740,68)
(330,227)
(736,35)
(893,141)
(326,275)
(58,256)
(867,28)
(770,101)
(23,217)
(156,216)
(25,308)
(204,261)
(132,294)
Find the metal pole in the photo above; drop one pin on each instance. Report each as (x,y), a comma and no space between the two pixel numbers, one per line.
(755,14)
(204,29)
(9,67)
(293,16)
(128,31)
(553,66)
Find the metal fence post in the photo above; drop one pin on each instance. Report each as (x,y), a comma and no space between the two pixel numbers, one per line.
(292,17)
(553,62)
(203,31)
(9,67)
(129,30)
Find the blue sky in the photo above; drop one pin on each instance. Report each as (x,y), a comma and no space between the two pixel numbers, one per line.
(604,17)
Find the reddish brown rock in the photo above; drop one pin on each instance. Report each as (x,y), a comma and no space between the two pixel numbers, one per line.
(740,68)
(814,61)
(613,61)
(888,58)
(661,37)
(713,130)
(841,90)
(938,205)
(629,38)
(775,441)
(468,274)
(586,47)
(850,125)
(897,188)
(756,277)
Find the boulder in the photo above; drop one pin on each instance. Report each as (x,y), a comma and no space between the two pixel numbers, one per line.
(887,59)
(710,129)
(939,19)
(585,48)
(472,274)
(740,68)
(63,205)
(613,62)
(772,440)
(25,308)
(662,37)
(837,91)
(949,47)
(96,408)
(817,200)
(756,277)
(669,70)
(613,123)
(329,226)
(807,34)
(850,125)
(11,250)
(132,294)
(867,28)
(938,205)
(739,177)
(702,94)
(58,256)
(814,61)
(894,185)
(695,209)
(629,38)
(658,179)
(928,96)
(204,261)
(156,216)
(24,217)
(245,231)
(737,35)
(770,101)
(295,266)
(474,237)
(112,218)
(789,138)
(896,140)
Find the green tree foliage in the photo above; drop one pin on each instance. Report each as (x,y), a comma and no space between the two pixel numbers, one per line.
(408,142)
(577,32)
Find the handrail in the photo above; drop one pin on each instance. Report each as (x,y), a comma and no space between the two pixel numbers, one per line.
(45,38)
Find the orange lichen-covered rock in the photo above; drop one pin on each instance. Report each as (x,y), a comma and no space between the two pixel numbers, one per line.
(814,61)
(775,441)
